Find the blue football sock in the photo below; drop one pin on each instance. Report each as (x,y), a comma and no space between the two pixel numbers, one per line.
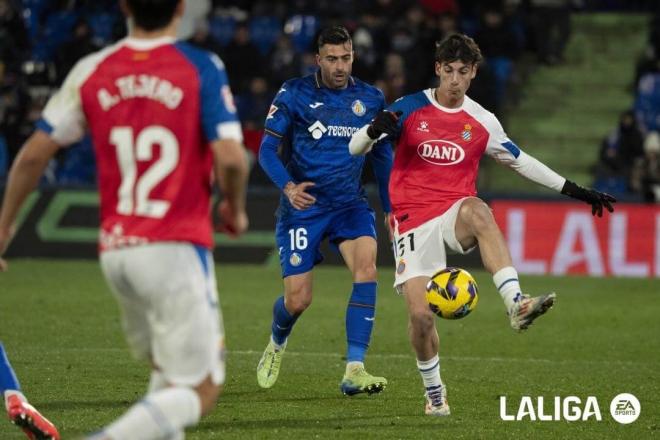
(8,380)
(282,321)
(360,320)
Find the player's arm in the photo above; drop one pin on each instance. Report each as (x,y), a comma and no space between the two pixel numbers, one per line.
(386,123)
(62,123)
(231,170)
(381,162)
(272,165)
(531,168)
(278,122)
(27,169)
(223,132)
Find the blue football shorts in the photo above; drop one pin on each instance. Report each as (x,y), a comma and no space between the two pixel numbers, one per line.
(299,237)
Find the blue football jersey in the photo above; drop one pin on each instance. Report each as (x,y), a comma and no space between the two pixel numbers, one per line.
(317,123)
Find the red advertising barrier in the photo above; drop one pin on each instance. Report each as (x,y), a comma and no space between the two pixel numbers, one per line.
(564,238)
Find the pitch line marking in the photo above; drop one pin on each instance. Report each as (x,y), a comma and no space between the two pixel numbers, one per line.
(382,356)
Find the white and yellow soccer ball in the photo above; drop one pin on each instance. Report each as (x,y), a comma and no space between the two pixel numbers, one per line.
(452,293)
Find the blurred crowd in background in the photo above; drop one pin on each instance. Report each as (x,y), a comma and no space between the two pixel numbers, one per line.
(266,42)
(629,159)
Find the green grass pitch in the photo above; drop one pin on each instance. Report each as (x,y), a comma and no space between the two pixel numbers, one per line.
(61,329)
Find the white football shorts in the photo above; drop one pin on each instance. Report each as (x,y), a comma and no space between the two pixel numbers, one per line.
(421,251)
(168,297)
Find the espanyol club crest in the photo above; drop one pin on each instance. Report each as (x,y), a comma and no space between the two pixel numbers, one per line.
(401,267)
(295,259)
(359,109)
(467,132)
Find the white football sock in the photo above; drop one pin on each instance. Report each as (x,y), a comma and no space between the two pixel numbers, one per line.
(163,414)
(506,282)
(277,346)
(350,366)
(157,382)
(430,372)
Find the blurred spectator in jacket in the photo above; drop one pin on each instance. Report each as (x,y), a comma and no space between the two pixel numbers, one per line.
(202,38)
(242,59)
(14,39)
(551,24)
(624,145)
(14,108)
(73,50)
(646,173)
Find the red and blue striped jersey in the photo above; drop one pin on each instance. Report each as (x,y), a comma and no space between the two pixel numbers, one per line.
(152,107)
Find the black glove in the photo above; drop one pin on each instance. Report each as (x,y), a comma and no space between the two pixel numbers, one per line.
(595,198)
(384,122)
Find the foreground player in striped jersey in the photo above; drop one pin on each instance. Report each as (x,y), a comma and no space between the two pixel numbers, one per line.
(162,122)
(441,136)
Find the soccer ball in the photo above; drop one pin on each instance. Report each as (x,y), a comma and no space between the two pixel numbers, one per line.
(452,293)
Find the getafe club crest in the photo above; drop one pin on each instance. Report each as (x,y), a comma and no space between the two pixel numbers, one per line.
(358,107)
(295,259)
(467,132)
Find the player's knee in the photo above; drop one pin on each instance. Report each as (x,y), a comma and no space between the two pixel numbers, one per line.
(366,272)
(208,393)
(297,298)
(297,302)
(478,214)
(299,305)
(422,321)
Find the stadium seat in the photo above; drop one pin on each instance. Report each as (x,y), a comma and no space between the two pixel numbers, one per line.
(4,158)
(647,102)
(302,29)
(101,24)
(58,29)
(78,165)
(614,185)
(222,28)
(264,31)
(502,68)
(31,13)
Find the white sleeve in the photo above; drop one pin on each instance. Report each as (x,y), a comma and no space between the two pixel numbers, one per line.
(531,168)
(504,151)
(63,115)
(360,142)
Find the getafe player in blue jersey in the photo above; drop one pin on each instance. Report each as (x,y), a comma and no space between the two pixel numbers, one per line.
(322,197)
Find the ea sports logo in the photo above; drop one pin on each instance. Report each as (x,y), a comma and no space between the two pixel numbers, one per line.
(440,152)
(625,408)
(317,129)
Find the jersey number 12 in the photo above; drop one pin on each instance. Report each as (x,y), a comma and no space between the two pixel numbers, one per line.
(133,194)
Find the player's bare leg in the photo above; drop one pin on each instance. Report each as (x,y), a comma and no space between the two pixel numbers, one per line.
(360,257)
(475,224)
(424,339)
(286,310)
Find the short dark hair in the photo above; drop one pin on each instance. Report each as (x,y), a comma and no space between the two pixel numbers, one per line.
(457,47)
(152,15)
(333,35)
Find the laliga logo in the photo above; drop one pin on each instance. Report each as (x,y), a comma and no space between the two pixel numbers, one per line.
(624,408)
(569,408)
(440,152)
